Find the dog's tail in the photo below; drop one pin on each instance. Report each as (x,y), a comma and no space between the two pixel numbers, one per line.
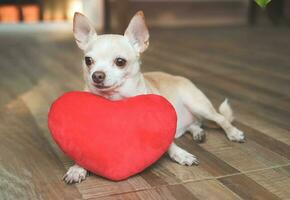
(226,110)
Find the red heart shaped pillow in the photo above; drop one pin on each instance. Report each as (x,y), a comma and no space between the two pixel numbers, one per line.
(113,139)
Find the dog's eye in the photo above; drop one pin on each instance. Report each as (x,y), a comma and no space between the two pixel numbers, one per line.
(89,61)
(120,62)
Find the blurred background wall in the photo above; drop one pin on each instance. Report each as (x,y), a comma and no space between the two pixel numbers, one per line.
(114,14)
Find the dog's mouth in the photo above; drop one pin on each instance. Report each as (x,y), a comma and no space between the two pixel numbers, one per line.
(103,87)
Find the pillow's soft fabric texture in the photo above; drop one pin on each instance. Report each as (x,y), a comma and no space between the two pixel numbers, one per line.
(113,139)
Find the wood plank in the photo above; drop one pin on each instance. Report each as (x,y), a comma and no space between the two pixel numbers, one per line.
(159,193)
(181,192)
(236,46)
(97,187)
(124,196)
(29,167)
(243,157)
(273,180)
(152,178)
(247,188)
(211,189)
(266,141)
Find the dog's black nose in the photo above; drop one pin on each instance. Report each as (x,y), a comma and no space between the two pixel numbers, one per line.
(98,77)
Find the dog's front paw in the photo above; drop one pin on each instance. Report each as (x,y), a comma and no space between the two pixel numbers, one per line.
(184,158)
(236,135)
(75,174)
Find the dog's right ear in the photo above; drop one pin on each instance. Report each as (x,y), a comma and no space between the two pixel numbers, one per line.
(84,32)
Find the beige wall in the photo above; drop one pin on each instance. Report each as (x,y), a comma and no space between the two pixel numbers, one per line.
(94,9)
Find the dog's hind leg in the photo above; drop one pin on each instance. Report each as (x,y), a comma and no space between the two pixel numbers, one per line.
(199,105)
(197,132)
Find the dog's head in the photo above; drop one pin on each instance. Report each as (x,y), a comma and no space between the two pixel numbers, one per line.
(109,60)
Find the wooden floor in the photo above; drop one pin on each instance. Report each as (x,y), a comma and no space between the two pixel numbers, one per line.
(250,66)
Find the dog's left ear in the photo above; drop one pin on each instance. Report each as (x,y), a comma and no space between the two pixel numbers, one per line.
(137,32)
